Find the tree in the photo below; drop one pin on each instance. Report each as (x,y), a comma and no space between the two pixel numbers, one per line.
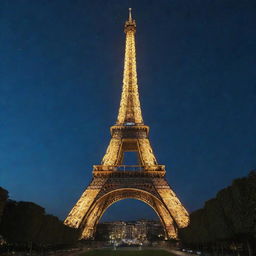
(3,199)
(229,217)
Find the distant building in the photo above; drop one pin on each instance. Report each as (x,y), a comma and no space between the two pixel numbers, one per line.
(133,232)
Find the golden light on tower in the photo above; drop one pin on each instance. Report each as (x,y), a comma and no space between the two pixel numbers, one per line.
(113,181)
(129,110)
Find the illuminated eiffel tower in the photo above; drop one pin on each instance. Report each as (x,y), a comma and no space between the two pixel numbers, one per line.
(113,181)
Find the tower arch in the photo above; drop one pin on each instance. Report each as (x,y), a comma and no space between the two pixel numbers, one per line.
(95,213)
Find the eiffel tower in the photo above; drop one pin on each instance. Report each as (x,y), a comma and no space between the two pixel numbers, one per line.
(112,181)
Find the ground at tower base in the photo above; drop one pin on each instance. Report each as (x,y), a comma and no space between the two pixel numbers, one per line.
(128,252)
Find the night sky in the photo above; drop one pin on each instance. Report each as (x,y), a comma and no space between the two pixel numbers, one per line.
(60,85)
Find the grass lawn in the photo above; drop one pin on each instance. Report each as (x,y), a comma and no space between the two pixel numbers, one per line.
(110,252)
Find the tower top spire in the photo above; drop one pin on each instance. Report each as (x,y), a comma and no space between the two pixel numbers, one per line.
(130,24)
(130,14)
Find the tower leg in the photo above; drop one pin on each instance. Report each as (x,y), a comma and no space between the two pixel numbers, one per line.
(83,205)
(172,203)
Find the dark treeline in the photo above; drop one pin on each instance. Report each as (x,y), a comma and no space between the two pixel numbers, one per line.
(3,199)
(25,224)
(227,223)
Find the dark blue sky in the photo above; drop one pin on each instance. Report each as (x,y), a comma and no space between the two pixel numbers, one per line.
(60,84)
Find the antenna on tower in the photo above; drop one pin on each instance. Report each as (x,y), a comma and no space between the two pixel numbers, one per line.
(130,14)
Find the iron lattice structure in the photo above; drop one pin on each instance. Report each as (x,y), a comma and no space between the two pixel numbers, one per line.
(113,181)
